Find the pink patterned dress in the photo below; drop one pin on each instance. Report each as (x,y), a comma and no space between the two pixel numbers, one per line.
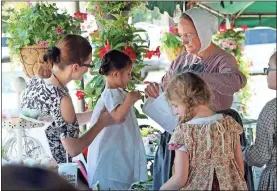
(211,154)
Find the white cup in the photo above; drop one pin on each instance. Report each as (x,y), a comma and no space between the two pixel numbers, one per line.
(69,172)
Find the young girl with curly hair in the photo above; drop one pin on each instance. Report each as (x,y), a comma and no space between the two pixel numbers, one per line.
(207,145)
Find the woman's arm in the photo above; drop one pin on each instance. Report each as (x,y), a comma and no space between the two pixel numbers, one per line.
(259,153)
(228,80)
(75,146)
(180,176)
(84,117)
(239,158)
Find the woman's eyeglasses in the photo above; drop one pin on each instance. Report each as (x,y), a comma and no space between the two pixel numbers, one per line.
(267,70)
(90,65)
(188,37)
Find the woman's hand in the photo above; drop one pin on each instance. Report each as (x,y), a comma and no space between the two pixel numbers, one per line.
(152,90)
(105,119)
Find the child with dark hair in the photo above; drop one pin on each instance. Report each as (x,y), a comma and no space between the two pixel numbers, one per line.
(207,146)
(32,178)
(116,158)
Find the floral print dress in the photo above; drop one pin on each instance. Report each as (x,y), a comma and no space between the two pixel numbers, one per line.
(47,99)
(211,154)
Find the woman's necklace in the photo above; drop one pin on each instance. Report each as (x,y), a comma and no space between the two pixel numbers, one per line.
(63,87)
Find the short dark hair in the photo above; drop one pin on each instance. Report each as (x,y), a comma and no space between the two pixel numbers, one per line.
(114,60)
(15,177)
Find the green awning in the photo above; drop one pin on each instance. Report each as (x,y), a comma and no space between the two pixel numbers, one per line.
(252,14)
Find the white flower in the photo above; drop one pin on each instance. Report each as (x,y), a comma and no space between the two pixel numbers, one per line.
(152,137)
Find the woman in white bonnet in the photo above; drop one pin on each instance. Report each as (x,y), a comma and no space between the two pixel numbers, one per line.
(214,65)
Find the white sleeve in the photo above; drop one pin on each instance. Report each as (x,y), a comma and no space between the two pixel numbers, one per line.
(113,98)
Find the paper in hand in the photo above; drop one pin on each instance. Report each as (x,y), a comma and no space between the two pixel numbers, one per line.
(161,112)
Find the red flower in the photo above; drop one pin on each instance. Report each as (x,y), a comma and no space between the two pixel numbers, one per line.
(80,94)
(173,29)
(103,50)
(81,16)
(244,27)
(243,108)
(148,54)
(86,107)
(222,27)
(130,52)
(59,30)
(157,52)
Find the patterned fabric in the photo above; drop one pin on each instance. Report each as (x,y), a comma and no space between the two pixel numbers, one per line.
(264,151)
(211,149)
(219,70)
(47,98)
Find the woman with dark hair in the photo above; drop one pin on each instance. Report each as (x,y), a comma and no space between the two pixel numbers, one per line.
(214,65)
(68,60)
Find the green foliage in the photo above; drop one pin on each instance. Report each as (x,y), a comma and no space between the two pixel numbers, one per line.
(116,34)
(39,22)
(170,40)
(232,41)
(142,14)
(114,7)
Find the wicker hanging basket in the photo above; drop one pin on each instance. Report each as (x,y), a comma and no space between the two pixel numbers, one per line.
(30,57)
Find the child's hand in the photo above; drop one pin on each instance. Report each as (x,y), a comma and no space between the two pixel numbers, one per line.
(133,96)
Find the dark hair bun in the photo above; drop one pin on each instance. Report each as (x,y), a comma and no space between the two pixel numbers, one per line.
(114,60)
(53,55)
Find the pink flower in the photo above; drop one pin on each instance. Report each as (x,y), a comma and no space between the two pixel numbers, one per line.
(96,7)
(92,14)
(40,43)
(225,44)
(152,137)
(59,30)
(244,27)
(45,44)
(233,46)
(145,140)
(173,29)
(29,3)
(82,27)
(88,26)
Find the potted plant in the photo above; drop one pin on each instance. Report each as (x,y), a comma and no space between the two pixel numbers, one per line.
(35,27)
(171,43)
(151,138)
(117,34)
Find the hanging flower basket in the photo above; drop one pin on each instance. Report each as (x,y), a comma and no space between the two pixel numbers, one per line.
(30,57)
(172,53)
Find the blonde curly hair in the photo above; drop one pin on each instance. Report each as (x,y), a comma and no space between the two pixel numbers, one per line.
(189,90)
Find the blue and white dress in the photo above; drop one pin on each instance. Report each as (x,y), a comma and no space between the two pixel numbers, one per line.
(116,157)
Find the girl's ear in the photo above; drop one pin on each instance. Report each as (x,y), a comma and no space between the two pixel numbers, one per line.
(115,73)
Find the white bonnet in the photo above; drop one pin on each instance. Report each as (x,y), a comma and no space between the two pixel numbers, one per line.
(206,25)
